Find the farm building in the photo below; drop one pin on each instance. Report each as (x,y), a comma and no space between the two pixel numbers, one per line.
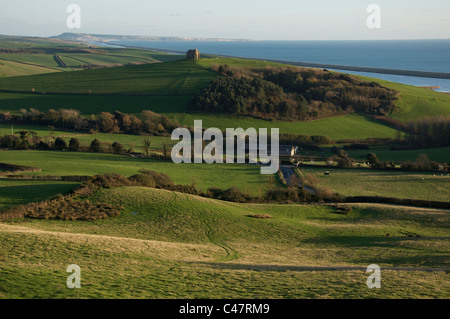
(284,150)
(193,54)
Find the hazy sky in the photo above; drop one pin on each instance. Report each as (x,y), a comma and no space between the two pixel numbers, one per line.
(237,19)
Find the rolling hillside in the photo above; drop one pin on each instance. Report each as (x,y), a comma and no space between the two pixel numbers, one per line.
(28,56)
(167,78)
(219,250)
(415,102)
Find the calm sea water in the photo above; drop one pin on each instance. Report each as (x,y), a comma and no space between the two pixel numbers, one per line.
(416,55)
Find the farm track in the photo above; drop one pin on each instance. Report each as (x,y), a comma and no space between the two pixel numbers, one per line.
(288,171)
(230,253)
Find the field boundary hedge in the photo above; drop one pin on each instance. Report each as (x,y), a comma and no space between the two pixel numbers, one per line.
(397,201)
(72,178)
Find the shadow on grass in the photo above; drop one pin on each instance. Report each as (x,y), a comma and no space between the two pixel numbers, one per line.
(286,268)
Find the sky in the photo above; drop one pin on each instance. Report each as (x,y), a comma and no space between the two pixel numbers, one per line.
(232,19)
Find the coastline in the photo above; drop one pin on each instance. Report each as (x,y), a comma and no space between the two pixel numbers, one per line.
(383,71)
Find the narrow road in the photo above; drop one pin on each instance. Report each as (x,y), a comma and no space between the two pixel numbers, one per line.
(288,171)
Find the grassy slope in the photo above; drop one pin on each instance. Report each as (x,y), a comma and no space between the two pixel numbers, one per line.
(246,177)
(181,76)
(338,127)
(94,104)
(181,246)
(41,59)
(381,183)
(36,63)
(9,68)
(415,102)
(170,77)
(22,192)
(194,76)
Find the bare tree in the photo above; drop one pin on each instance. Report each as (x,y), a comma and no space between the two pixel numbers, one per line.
(147,143)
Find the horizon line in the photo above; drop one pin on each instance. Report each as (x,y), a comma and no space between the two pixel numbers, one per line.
(191,38)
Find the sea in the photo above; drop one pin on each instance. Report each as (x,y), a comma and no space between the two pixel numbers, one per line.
(412,55)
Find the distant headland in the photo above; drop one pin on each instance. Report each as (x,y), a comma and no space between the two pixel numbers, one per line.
(85,37)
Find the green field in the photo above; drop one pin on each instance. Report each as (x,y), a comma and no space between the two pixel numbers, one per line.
(166,244)
(14,192)
(337,128)
(95,104)
(367,182)
(171,245)
(415,102)
(185,77)
(9,68)
(246,177)
(37,59)
(170,78)
(42,60)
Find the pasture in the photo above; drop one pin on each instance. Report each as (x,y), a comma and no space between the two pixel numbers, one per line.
(171,245)
(245,177)
(16,192)
(415,102)
(366,182)
(167,78)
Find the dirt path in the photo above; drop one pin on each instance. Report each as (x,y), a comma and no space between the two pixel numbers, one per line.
(288,171)
(158,246)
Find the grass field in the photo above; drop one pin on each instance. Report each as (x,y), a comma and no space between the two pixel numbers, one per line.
(95,104)
(415,102)
(171,245)
(42,60)
(341,127)
(22,192)
(38,59)
(170,77)
(9,68)
(246,177)
(337,128)
(424,186)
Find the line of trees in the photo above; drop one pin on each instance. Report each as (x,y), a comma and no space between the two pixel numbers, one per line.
(291,94)
(429,132)
(115,123)
(25,140)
